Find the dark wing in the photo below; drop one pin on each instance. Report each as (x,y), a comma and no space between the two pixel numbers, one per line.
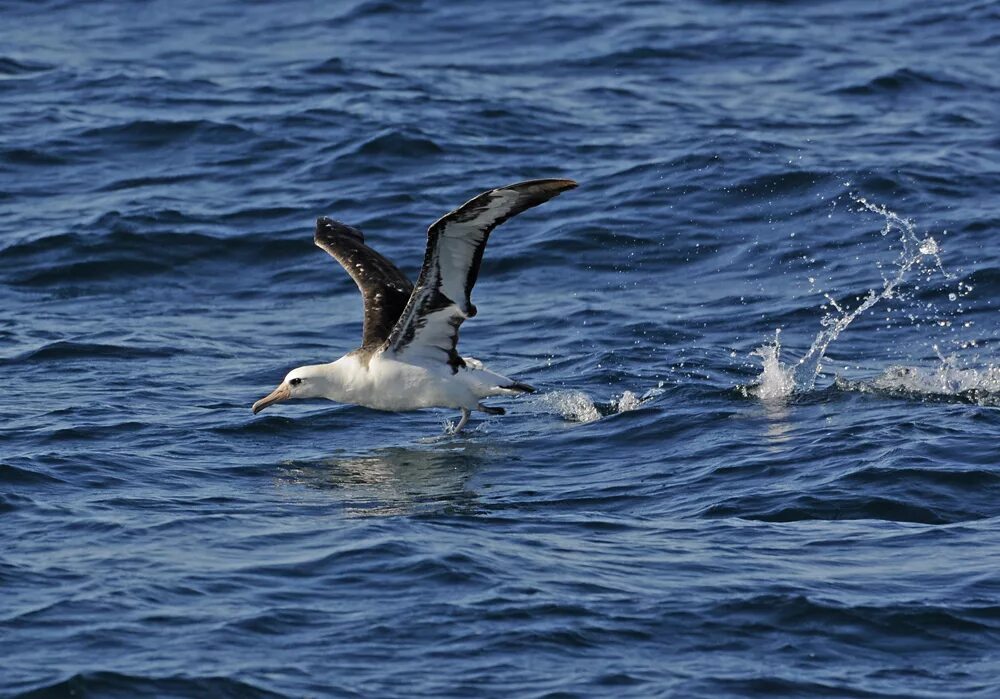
(384,288)
(428,327)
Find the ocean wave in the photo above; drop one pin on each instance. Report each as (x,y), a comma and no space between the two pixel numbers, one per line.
(984,282)
(116,684)
(158,133)
(919,490)
(130,250)
(30,156)
(356,557)
(13,67)
(397,144)
(91,270)
(901,81)
(94,432)
(151,181)
(696,52)
(10,502)
(923,479)
(802,508)
(331,66)
(879,623)
(375,8)
(68,350)
(787,182)
(14,475)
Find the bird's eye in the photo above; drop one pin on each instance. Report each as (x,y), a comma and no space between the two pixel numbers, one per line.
(295,382)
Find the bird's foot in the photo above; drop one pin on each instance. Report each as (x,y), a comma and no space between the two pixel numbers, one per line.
(462,422)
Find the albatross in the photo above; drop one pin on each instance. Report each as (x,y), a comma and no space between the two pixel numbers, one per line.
(408,359)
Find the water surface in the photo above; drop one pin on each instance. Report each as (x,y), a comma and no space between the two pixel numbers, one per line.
(693,504)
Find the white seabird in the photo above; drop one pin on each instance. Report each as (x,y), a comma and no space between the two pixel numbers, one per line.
(408,358)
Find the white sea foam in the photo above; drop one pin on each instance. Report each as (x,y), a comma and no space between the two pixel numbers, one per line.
(627,401)
(572,405)
(578,406)
(949,379)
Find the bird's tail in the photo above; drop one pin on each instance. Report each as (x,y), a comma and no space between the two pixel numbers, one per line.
(519,387)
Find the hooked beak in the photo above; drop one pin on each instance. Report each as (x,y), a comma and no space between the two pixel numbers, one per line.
(281,393)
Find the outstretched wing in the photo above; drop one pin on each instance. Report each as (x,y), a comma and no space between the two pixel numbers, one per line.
(428,327)
(384,288)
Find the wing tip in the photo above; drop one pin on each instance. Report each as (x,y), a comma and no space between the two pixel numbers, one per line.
(565,183)
(552,184)
(538,191)
(328,230)
(323,230)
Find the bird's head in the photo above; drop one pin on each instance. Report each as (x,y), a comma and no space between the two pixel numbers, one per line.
(304,382)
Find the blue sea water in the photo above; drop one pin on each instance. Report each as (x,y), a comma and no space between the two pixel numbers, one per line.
(732,482)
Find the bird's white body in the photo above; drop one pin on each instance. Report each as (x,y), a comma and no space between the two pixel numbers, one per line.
(387,383)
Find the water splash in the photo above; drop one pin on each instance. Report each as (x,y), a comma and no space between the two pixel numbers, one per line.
(778,380)
(914,250)
(575,406)
(627,401)
(578,406)
(449,427)
(949,380)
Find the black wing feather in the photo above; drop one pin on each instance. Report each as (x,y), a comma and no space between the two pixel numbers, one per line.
(384,288)
(442,298)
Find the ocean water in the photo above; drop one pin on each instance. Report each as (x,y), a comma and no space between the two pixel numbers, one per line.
(763,458)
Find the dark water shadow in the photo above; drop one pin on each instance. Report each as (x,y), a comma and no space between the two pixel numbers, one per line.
(397,480)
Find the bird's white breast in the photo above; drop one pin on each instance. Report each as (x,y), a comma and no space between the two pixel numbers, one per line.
(389,384)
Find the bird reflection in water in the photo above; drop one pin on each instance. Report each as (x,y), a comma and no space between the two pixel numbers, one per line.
(396,480)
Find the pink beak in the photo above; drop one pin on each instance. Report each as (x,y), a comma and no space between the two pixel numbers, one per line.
(281,393)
